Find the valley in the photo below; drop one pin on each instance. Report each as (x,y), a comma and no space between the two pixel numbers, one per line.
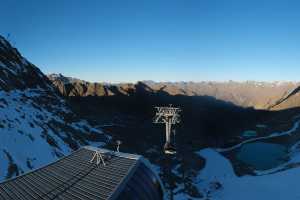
(46,117)
(208,122)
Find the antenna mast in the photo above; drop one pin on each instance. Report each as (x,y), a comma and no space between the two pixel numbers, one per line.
(169,116)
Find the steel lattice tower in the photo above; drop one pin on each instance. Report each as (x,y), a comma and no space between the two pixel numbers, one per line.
(169,116)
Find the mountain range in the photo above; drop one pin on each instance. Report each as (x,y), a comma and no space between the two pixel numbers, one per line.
(259,95)
(46,117)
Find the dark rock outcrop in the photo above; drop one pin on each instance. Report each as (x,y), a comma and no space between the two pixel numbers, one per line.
(16,72)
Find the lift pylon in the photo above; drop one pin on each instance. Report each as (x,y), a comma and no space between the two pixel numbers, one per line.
(169,116)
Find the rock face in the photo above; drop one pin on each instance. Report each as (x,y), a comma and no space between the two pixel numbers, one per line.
(74,87)
(16,72)
(259,95)
(36,124)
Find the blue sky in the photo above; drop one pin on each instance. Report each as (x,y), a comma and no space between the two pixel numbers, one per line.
(161,40)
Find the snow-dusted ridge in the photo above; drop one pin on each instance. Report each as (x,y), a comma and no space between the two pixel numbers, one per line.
(32,135)
(36,124)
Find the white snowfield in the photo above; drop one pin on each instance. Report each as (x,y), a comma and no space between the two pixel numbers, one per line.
(25,131)
(278,186)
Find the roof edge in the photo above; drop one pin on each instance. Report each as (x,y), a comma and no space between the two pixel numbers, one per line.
(133,169)
(91,148)
(149,165)
(119,154)
(118,190)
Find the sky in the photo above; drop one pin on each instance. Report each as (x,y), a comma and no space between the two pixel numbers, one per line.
(160,40)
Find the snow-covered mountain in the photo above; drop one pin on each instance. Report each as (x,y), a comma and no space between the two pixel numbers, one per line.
(36,124)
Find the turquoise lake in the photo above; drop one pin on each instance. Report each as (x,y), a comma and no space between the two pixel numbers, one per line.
(261,155)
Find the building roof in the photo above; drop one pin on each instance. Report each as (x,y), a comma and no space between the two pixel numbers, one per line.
(75,177)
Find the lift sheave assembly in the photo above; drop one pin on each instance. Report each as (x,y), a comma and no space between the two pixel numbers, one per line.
(169,116)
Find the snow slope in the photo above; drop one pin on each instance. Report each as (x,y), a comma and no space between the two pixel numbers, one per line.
(36,124)
(219,182)
(32,135)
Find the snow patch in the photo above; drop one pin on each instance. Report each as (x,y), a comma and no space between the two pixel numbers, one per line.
(26,132)
(219,171)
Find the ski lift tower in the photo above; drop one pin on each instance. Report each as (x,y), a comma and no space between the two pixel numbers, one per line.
(169,116)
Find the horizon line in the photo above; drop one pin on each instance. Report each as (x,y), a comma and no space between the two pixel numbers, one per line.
(181,81)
